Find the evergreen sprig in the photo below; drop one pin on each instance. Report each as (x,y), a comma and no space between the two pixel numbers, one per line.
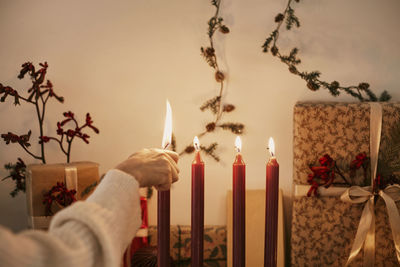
(236,128)
(89,189)
(361,91)
(291,19)
(210,150)
(17,174)
(214,104)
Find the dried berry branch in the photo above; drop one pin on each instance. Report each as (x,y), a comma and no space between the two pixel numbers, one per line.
(325,173)
(216,23)
(388,174)
(361,91)
(38,95)
(70,134)
(59,194)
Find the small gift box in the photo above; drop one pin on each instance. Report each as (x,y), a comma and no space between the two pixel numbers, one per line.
(352,225)
(41,178)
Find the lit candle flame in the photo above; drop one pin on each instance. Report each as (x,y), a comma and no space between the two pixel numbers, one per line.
(196,143)
(271,147)
(166,141)
(238,144)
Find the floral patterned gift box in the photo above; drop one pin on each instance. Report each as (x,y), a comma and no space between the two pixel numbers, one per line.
(324,227)
(214,244)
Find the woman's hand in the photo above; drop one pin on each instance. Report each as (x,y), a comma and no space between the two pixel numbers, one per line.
(152,167)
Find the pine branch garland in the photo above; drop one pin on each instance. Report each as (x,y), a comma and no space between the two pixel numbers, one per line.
(211,104)
(361,91)
(236,128)
(291,19)
(215,23)
(210,150)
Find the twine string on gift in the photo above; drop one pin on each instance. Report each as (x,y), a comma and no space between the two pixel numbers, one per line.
(365,235)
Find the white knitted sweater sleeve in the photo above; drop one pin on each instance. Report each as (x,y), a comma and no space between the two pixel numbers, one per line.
(94,232)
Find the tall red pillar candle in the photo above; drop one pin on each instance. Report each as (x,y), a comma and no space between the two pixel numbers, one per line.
(239,212)
(271,208)
(197,218)
(163,203)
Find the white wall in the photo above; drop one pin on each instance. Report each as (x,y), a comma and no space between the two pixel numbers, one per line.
(120,60)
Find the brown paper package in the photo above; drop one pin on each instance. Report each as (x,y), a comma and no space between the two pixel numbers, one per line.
(323,228)
(42,177)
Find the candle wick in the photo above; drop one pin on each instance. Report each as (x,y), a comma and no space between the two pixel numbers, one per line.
(166,145)
(271,152)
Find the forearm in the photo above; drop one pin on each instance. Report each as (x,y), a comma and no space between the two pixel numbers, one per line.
(111,213)
(89,233)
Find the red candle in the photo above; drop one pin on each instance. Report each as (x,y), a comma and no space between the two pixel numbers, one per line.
(271,208)
(239,212)
(163,228)
(197,218)
(163,203)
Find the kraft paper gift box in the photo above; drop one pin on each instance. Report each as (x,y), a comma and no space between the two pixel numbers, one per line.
(324,227)
(82,176)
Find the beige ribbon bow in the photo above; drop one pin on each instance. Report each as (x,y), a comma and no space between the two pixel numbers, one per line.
(366,229)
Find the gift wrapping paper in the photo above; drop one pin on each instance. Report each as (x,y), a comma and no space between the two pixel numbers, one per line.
(214,244)
(42,177)
(323,228)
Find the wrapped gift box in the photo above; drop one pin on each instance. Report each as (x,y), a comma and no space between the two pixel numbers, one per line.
(180,244)
(42,177)
(324,228)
